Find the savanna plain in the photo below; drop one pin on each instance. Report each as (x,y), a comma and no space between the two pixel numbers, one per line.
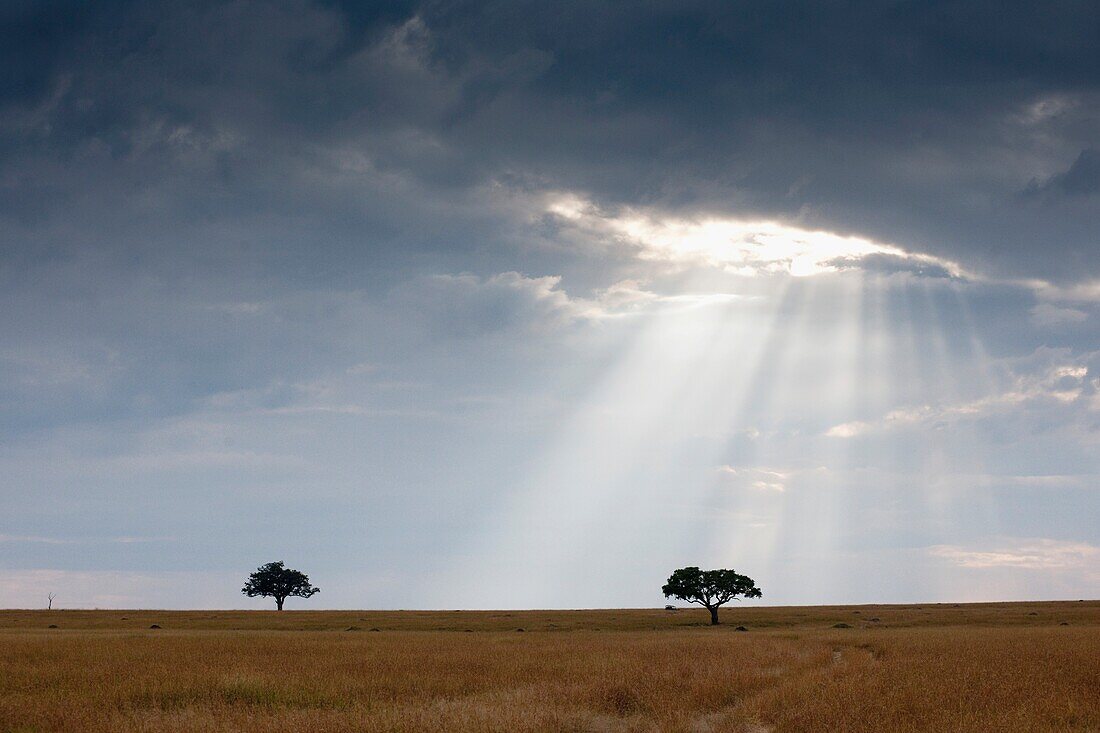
(943,667)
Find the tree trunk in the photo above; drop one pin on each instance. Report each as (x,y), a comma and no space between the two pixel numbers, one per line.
(279,604)
(713,615)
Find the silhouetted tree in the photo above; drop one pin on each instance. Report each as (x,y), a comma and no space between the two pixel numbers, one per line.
(49,607)
(273,580)
(709,588)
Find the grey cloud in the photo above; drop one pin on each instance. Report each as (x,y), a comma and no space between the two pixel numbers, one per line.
(1081,179)
(886,264)
(466,304)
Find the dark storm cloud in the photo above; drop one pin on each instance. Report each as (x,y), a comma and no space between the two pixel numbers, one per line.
(911,122)
(359,129)
(205,197)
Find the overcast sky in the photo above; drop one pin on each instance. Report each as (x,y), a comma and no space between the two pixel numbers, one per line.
(509,304)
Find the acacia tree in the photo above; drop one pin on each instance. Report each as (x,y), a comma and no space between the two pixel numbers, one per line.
(273,580)
(709,588)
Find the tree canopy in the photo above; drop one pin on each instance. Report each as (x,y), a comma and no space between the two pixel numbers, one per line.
(709,588)
(274,580)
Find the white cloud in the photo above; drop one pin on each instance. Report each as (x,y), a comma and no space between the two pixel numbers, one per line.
(1032,554)
(739,246)
(1047,108)
(1047,377)
(622,297)
(1048,315)
(1087,291)
(365,367)
(757,479)
(749,247)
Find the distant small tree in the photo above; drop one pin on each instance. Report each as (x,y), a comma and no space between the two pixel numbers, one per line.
(49,606)
(273,580)
(709,588)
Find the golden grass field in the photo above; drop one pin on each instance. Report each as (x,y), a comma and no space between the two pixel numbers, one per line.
(974,667)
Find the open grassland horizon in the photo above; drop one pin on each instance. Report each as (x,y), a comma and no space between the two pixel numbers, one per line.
(958,667)
(880,615)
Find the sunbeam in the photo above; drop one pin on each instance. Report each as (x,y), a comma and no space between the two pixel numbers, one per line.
(605,480)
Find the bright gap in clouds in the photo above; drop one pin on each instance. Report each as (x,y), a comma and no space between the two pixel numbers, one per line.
(744,247)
